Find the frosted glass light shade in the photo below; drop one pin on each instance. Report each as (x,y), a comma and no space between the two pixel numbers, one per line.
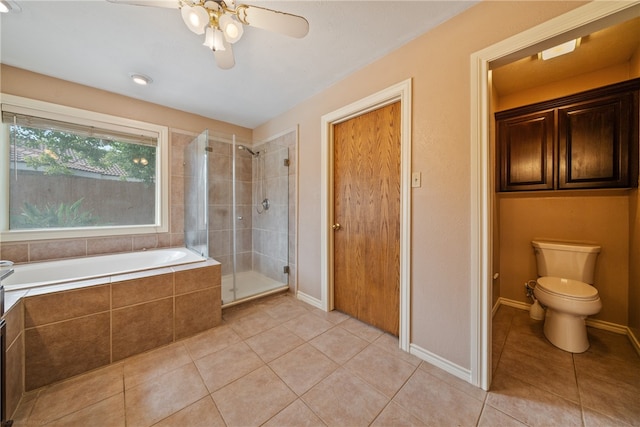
(195,18)
(214,39)
(231,28)
(559,50)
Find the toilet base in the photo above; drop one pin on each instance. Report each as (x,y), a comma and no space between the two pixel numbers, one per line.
(565,331)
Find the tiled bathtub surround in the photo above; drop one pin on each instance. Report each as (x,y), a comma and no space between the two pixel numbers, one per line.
(14,353)
(69,332)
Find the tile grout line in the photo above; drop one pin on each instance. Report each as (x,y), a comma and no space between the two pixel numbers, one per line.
(575,375)
(394,394)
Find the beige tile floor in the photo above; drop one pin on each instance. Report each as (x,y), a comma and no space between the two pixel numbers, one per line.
(280,362)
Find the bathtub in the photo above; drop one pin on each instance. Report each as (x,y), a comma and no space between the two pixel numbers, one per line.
(48,273)
(76,315)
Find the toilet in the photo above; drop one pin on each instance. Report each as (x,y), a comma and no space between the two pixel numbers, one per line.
(564,287)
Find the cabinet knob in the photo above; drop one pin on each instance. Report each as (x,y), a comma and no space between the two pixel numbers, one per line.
(336,226)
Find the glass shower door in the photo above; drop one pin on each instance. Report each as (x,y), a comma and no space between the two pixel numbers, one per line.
(196,233)
(271,215)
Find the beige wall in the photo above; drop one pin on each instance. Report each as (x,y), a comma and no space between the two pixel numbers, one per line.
(438,63)
(634,62)
(15,81)
(606,76)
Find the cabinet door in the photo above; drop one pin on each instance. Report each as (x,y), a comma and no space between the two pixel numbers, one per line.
(525,147)
(594,141)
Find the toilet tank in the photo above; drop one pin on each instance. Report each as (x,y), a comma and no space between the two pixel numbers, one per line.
(566,260)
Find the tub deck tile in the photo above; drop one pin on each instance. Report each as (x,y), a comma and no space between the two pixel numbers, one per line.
(130,292)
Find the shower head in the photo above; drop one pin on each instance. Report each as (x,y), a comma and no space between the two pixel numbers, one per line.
(248,150)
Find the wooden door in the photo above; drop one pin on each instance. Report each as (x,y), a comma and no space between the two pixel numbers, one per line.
(367,209)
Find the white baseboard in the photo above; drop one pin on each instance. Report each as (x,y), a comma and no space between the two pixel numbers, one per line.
(512,303)
(444,364)
(607,326)
(309,300)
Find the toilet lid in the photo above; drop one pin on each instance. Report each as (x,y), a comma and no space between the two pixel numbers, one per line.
(568,288)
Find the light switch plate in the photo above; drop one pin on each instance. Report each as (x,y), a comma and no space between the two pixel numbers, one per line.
(416,179)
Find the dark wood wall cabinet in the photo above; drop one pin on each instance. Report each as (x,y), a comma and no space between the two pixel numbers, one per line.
(586,140)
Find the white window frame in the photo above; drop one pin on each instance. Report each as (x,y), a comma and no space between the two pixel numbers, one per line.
(104,121)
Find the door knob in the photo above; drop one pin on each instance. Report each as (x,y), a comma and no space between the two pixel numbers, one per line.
(336,226)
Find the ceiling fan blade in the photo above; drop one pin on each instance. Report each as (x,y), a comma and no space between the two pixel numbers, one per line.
(224,58)
(272,20)
(170,4)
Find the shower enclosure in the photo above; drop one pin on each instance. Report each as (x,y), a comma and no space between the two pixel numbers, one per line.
(246,211)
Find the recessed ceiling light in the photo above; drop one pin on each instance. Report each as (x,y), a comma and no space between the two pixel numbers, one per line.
(559,50)
(140,79)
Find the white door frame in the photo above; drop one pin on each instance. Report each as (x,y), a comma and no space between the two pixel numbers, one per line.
(399,92)
(580,21)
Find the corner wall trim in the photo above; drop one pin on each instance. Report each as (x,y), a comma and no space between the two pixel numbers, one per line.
(444,364)
(634,341)
(309,299)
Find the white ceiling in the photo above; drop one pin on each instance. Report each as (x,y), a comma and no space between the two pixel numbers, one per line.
(98,44)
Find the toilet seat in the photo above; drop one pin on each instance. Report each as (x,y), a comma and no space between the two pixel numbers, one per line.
(568,288)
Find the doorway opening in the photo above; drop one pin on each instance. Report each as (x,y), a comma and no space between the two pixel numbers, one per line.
(581,21)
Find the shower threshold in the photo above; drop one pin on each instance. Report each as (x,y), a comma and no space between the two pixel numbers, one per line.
(249,285)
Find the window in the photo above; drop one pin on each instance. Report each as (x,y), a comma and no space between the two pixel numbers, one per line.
(73,173)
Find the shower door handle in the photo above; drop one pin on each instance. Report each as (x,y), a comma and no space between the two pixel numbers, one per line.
(336,226)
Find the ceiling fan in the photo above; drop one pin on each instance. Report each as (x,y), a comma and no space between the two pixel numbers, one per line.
(222,22)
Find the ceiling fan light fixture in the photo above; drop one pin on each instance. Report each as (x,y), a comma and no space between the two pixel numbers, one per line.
(231,28)
(208,38)
(7,6)
(218,40)
(214,39)
(222,23)
(195,18)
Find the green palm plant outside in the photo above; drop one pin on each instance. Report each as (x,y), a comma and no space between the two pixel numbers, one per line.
(54,216)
